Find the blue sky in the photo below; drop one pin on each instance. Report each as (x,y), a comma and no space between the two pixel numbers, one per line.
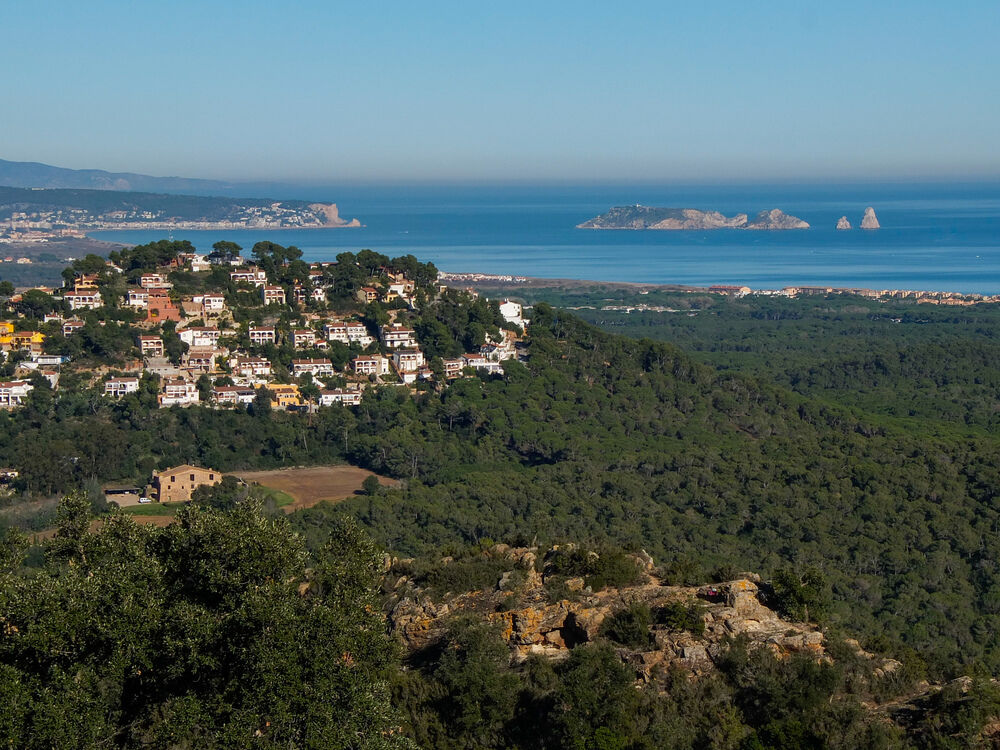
(326,91)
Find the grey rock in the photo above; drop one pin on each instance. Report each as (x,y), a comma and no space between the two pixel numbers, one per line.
(776,219)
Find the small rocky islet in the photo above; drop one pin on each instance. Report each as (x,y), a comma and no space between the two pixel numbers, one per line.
(868,221)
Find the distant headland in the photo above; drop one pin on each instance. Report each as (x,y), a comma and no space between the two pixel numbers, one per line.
(647,217)
(36,213)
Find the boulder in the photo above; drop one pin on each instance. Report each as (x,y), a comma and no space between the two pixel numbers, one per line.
(870,221)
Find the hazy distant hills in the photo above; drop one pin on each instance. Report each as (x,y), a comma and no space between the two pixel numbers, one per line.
(30,174)
(74,208)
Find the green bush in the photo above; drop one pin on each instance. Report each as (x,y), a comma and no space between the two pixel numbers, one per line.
(629,627)
(600,570)
(677,616)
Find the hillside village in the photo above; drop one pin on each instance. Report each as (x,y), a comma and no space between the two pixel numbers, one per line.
(264,332)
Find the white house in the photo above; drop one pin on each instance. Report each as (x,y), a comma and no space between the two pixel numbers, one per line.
(48,360)
(253,276)
(231,395)
(13,393)
(200,336)
(347,398)
(374,365)
(358,334)
(252,368)
(348,333)
(480,362)
(407,360)
(118,387)
(453,367)
(213,303)
(138,298)
(303,338)
(398,336)
(154,281)
(151,346)
(201,358)
(272,295)
(198,262)
(261,336)
(72,326)
(512,312)
(178,393)
(498,352)
(315,367)
(85,300)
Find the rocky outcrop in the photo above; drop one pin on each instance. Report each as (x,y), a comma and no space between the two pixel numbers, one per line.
(647,217)
(533,622)
(331,215)
(691,218)
(776,219)
(843,223)
(870,221)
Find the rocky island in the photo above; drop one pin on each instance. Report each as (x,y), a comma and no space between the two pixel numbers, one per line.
(870,221)
(647,217)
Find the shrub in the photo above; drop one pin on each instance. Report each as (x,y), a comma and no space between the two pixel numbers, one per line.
(677,616)
(611,568)
(629,627)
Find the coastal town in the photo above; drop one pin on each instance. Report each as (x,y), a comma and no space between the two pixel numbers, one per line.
(38,215)
(270,332)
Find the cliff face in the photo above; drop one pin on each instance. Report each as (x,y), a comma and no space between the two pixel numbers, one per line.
(647,217)
(534,622)
(331,215)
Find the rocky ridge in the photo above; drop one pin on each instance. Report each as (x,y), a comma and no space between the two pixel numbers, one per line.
(541,613)
(775,219)
(647,217)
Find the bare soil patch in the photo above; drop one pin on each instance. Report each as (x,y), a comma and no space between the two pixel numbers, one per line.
(310,485)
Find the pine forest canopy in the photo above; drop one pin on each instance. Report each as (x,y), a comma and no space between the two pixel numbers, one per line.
(723,458)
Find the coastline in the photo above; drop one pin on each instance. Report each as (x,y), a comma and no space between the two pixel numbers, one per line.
(509,282)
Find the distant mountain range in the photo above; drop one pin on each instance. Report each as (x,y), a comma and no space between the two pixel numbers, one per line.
(30,174)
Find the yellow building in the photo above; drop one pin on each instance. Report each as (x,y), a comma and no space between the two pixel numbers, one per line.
(6,328)
(32,340)
(86,282)
(284,394)
(27,338)
(175,485)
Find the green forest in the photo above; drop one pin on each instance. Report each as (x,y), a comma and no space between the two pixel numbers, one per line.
(849,438)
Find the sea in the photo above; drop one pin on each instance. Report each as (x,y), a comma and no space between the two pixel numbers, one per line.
(934,236)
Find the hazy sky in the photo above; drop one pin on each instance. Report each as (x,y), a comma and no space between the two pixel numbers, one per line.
(504,90)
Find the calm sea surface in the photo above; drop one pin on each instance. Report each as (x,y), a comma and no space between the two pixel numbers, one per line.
(934,236)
